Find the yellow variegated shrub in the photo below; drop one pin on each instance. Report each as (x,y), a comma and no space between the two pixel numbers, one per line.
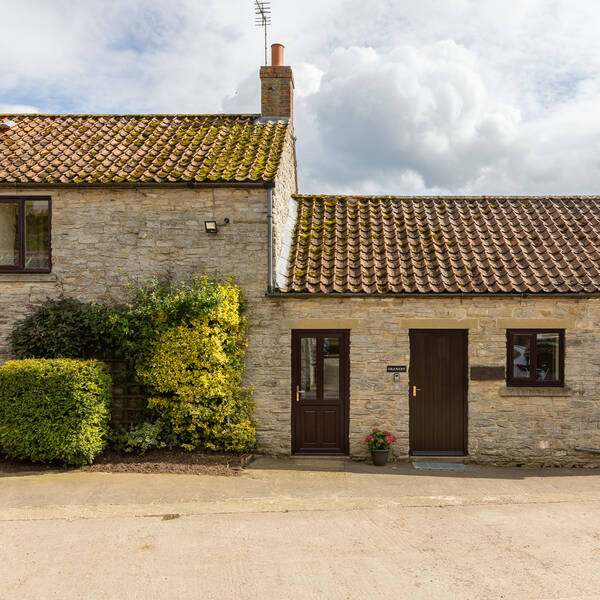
(194,371)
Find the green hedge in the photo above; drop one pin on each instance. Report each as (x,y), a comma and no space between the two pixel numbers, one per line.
(54,410)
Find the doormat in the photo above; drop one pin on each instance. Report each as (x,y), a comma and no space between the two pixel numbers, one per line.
(442,466)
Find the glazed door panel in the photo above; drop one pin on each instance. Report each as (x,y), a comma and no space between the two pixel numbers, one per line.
(320,383)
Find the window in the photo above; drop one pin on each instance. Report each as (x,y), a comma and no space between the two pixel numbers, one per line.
(25,235)
(535,357)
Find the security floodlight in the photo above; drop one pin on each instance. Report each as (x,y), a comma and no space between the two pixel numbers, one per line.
(211,226)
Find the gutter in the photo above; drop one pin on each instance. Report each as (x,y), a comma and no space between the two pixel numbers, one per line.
(432,295)
(129,185)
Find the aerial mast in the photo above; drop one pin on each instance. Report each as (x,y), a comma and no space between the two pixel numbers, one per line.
(262,18)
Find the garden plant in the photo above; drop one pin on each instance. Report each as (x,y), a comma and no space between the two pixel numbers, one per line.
(54,409)
(184,342)
(379,443)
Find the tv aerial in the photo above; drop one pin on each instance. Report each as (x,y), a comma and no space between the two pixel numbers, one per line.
(262,18)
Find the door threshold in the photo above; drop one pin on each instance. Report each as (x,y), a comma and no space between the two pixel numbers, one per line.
(440,458)
(438,453)
(332,455)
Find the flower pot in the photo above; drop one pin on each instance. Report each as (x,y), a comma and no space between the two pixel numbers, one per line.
(380,457)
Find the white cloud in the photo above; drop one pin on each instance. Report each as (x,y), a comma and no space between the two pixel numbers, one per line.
(393,96)
(307,79)
(422,110)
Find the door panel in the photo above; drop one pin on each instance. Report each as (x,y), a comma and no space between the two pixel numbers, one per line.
(309,425)
(330,426)
(320,383)
(438,391)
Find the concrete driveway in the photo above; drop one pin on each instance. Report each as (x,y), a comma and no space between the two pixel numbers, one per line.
(305,528)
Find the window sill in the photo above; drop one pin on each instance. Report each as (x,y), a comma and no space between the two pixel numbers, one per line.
(27,277)
(535,391)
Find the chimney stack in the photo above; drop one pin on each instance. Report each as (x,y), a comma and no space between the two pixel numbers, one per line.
(277,87)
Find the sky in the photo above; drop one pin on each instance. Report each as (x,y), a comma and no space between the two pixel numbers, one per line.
(399,97)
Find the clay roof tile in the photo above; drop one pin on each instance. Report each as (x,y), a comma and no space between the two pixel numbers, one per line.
(149,148)
(382,245)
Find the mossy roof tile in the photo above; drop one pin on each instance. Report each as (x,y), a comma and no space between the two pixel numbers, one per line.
(446,245)
(95,149)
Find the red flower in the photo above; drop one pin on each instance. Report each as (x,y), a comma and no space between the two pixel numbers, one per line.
(380,439)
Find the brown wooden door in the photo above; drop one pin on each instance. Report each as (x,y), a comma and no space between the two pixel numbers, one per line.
(320,382)
(438,392)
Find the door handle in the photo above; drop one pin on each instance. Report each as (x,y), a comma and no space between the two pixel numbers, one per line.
(415,390)
(299,393)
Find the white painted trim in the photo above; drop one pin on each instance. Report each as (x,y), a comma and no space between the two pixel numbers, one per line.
(282,266)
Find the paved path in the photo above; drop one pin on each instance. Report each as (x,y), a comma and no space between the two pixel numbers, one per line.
(302,529)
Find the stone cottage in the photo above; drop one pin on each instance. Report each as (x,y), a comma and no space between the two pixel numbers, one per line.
(468,326)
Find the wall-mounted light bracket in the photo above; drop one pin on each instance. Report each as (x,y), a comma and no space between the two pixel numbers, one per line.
(211,226)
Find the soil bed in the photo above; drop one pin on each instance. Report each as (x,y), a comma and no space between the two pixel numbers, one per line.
(157,461)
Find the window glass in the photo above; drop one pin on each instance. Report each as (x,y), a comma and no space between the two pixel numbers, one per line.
(9,234)
(331,367)
(36,235)
(521,350)
(535,357)
(547,367)
(308,368)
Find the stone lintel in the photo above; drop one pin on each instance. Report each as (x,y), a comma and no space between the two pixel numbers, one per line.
(511,323)
(439,324)
(324,323)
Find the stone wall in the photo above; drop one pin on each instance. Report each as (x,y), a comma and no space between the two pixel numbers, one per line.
(506,426)
(101,238)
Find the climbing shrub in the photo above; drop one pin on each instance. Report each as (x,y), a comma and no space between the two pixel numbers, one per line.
(195,363)
(54,410)
(155,306)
